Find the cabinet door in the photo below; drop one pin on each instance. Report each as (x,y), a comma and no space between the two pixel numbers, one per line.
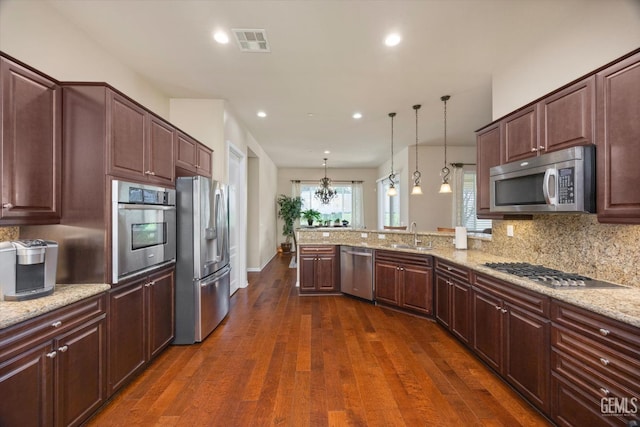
(326,273)
(126,337)
(161,304)
(31,144)
(203,164)
(527,355)
(80,382)
(307,272)
(442,303)
(487,328)
(26,388)
(488,156)
(417,288)
(160,160)
(519,135)
(387,289)
(186,152)
(461,310)
(618,136)
(567,118)
(126,124)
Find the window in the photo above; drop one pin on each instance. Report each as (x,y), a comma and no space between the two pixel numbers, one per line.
(465,201)
(341,207)
(388,207)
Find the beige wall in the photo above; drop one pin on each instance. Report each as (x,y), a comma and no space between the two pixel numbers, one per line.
(36,34)
(601,32)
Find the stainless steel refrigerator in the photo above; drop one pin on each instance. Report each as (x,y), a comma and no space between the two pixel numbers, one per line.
(202,261)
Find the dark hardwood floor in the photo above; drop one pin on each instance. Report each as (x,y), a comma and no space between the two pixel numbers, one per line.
(282,359)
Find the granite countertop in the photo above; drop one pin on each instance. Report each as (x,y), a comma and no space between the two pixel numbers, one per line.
(12,312)
(622,304)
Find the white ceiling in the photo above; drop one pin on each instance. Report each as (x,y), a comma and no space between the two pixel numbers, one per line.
(328,58)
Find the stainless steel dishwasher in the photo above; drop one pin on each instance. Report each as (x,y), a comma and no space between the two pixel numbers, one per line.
(356,271)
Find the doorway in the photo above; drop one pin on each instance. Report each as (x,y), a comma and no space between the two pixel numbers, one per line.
(237,218)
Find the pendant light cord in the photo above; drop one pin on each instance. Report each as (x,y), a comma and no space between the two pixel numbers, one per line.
(416,174)
(392,175)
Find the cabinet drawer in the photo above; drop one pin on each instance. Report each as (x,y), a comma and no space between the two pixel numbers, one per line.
(312,250)
(611,334)
(613,365)
(590,382)
(531,301)
(404,258)
(25,334)
(453,269)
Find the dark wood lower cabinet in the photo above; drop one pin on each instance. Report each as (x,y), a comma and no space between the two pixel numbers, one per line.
(141,324)
(511,334)
(453,307)
(319,269)
(404,280)
(52,367)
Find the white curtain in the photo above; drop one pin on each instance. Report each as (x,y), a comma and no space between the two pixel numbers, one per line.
(457,187)
(357,204)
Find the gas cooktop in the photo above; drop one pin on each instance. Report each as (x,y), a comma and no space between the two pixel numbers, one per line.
(548,276)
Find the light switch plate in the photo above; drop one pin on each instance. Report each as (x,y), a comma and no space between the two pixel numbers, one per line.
(382,236)
(325,234)
(364,235)
(509,230)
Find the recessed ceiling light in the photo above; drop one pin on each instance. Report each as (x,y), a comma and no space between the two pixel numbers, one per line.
(261,114)
(357,115)
(392,39)
(327,152)
(309,114)
(221,37)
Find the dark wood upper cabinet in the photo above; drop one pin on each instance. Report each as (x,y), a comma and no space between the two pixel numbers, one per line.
(618,142)
(31,144)
(520,135)
(192,157)
(160,156)
(139,145)
(488,156)
(567,118)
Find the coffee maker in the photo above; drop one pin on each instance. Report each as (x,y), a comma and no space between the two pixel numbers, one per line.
(27,269)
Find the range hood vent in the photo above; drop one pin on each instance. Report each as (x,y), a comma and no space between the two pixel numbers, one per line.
(252,40)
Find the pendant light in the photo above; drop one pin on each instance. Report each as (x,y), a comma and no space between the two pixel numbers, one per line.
(324,192)
(445,187)
(392,176)
(416,190)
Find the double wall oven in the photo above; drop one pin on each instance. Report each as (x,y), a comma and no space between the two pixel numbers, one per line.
(144,228)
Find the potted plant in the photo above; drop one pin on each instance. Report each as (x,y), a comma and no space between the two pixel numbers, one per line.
(289,211)
(311,215)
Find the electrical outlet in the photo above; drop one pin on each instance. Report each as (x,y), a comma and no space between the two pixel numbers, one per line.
(382,236)
(325,234)
(509,230)
(364,235)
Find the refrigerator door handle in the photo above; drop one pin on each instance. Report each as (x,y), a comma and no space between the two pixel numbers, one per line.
(215,277)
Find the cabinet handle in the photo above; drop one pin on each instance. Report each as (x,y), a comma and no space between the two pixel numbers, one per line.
(498,307)
(604,332)
(149,173)
(52,355)
(503,310)
(63,349)
(604,361)
(56,324)
(533,150)
(541,148)
(197,166)
(7,205)
(604,391)
(448,268)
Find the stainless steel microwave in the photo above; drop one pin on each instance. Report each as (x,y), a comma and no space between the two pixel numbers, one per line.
(144,228)
(560,181)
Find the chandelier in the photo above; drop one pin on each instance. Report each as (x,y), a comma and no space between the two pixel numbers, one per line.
(324,192)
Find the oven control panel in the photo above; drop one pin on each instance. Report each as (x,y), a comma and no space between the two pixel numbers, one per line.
(566,186)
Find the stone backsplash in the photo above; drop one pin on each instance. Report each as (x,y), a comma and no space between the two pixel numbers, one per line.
(8,233)
(572,243)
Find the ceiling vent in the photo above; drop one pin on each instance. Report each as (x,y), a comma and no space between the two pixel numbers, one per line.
(252,40)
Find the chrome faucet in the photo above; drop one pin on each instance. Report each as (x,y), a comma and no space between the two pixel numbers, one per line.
(414,227)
